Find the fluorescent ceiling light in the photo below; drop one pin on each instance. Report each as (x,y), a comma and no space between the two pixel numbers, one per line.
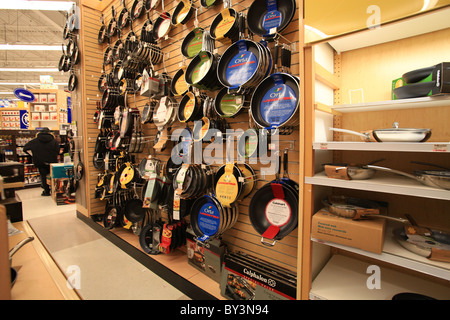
(28,83)
(36,5)
(29,47)
(7,93)
(29,69)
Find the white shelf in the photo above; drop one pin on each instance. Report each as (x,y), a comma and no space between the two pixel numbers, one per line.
(345,278)
(439,147)
(395,254)
(424,102)
(383,182)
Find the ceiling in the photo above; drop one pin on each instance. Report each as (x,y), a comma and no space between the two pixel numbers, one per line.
(26,27)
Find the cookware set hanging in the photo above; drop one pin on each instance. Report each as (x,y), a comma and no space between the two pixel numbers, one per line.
(70,56)
(137,195)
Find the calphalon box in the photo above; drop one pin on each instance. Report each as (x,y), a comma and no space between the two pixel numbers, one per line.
(206,257)
(366,235)
(244,280)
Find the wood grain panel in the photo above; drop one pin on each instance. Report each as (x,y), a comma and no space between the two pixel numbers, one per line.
(242,236)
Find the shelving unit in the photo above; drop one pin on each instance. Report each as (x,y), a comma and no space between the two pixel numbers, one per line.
(370,68)
(55,117)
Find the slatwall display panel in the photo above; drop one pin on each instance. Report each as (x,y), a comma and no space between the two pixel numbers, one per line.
(242,237)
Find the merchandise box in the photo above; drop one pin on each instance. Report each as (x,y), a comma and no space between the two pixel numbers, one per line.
(52,107)
(51,97)
(366,235)
(35,116)
(43,97)
(39,107)
(242,280)
(206,257)
(54,116)
(59,170)
(45,116)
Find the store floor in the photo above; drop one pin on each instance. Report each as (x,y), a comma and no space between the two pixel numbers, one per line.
(96,266)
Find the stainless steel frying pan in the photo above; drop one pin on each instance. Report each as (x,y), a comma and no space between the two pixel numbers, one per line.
(394,134)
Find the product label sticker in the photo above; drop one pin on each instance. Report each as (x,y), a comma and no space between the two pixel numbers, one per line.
(278,212)
(241,68)
(183,13)
(272,19)
(195,45)
(201,69)
(278,104)
(209,219)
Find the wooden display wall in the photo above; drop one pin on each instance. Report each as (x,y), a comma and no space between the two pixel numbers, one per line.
(242,236)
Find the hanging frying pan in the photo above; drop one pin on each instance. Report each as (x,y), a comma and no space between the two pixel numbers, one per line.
(225,26)
(79,172)
(192,43)
(239,64)
(151,4)
(207,217)
(137,9)
(249,180)
(209,3)
(229,184)
(179,86)
(190,108)
(73,81)
(102,32)
(112,26)
(134,211)
(267,18)
(247,146)
(162,26)
(201,71)
(274,211)
(182,12)
(228,105)
(275,101)
(124,17)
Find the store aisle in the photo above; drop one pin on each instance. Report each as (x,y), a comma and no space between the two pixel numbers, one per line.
(97,267)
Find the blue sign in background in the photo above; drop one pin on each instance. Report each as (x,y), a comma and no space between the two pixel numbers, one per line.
(24,94)
(24,119)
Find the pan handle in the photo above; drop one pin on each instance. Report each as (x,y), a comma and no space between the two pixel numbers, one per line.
(19,245)
(364,135)
(268,243)
(393,171)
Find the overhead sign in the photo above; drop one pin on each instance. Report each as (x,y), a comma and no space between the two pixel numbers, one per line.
(24,95)
(24,119)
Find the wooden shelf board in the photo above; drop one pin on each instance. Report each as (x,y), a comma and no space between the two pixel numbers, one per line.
(386,183)
(394,253)
(424,102)
(384,146)
(353,275)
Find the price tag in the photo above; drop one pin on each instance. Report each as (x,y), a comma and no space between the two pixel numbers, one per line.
(323,146)
(440,148)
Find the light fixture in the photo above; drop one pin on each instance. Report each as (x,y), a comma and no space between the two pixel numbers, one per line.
(29,47)
(29,69)
(6,93)
(28,83)
(36,5)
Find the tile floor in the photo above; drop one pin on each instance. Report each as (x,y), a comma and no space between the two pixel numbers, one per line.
(105,271)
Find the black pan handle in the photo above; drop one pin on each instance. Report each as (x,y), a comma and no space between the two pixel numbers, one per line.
(285,164)
(275,56)
(241,23)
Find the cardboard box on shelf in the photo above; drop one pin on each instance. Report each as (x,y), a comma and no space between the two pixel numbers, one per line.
(366,235)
